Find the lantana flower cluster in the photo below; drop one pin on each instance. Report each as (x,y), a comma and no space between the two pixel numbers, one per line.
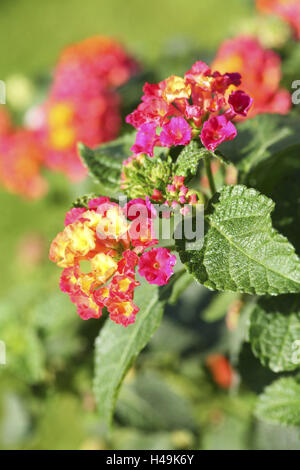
(178,109)
(83,103)
(100,249)
(261,72)
(157,179)
(288,10)
(21,159)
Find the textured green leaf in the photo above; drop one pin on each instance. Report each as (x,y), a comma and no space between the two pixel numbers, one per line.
(105,162)
(275,332)
(241,251)
(280,402)
(117,347)
(261,137)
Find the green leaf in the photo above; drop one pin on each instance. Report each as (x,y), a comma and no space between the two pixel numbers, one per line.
(280,402)
(242,252)
(105,162)
(275,332)
(261,137)
(117,347)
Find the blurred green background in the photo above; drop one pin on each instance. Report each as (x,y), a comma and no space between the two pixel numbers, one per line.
(169,400)
(33,32)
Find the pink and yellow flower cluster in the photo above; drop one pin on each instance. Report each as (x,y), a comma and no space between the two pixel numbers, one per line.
(202,103)
(261,72)
(21,159)
(288,10)
(100,248)
(83,104)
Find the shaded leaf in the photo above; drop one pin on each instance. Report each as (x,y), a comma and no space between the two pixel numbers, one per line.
(261,137)
(279,178)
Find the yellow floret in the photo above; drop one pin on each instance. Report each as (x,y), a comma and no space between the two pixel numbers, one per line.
(103,267)
(62,138)
(113,225)
(176,88)
(60,114)
(81,238)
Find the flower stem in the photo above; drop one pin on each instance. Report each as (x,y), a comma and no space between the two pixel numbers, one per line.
(209,175)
